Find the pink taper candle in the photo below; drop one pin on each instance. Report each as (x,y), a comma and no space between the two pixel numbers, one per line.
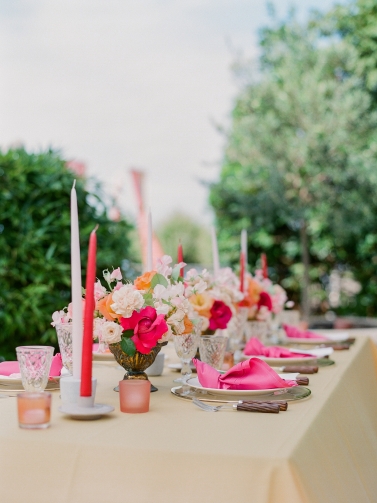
(76,293)
(180,259)
(264,265)
(87,346)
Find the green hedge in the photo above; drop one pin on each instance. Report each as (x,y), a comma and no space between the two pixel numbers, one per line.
(35,243)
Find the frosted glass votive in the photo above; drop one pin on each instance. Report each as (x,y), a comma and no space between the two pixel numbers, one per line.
(34,410)
(134,395)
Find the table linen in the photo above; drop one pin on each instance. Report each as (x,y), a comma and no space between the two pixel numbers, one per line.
(322,450)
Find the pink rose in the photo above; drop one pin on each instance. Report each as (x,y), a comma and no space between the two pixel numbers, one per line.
(148,328)
(265,300)
(220,315)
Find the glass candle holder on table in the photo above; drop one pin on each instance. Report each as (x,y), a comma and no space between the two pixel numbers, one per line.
(35,363)
(212,349)
(34,410)
(134,395)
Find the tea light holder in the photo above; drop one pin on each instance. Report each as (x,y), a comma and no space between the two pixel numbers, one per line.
(134,395)
(34,410)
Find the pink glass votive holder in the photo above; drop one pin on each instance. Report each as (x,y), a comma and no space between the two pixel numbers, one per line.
(34,410)
(134,395)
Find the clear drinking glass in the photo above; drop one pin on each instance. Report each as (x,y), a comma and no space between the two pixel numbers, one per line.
(258,329)
(64,333)
(236,331)
(212,350)
(35,363)
(186,346)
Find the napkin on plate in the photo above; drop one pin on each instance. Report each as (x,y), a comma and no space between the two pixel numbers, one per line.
(254,347)
(296,333)
(8,368)
(248,375)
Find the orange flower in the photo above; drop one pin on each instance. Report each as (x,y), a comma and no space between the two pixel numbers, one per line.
(202,303)
(188,325)
(104,307)
(252,293)
(144,282)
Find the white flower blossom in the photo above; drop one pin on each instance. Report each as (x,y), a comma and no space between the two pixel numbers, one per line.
(176,322)
(163,266)
(99,290)
(126,300)
(116,274)
(111,332)
(59,317)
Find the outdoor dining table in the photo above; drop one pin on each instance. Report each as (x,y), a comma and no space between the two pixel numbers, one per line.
(322,449)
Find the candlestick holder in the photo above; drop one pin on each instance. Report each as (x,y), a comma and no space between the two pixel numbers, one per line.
(80,407)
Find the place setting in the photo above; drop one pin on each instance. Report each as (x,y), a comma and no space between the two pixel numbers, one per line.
(278,356)
(294,335)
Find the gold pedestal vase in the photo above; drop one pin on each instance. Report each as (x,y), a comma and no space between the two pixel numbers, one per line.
(135,365)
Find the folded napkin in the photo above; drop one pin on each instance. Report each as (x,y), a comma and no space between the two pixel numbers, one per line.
(8,368)
(296,333)
(247,375)
(254,347)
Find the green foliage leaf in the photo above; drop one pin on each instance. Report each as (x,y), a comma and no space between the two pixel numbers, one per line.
(175,273)
(159,279)
(148,299)
(128,333)
(128,346)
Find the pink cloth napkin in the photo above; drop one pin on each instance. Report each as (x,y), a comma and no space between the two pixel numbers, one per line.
(8,368)
(296,333)
(247,375)
(254,347)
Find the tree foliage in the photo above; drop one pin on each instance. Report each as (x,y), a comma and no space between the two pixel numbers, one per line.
(194,237)
(300,162)
(35,243)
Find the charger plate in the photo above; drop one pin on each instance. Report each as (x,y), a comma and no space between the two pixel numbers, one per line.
(288,394)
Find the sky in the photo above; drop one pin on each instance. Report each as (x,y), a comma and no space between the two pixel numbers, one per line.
(122,84)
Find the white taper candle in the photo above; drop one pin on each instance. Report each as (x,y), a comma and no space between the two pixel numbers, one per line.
(76,290)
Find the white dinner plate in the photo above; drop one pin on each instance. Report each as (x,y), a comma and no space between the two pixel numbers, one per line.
(330,338)
(15,383)
(18,380)
(178,367)
(313,355)
(194,383)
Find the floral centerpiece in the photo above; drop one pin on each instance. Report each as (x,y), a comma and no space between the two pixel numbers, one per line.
(214,299)
(136,319)
(262,297)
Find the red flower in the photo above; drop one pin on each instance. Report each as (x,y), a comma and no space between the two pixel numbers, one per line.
(265,300)
(220,315)
(148,328)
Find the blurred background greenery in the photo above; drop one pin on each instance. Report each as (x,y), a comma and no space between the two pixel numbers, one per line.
(299,169)
(35,273)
